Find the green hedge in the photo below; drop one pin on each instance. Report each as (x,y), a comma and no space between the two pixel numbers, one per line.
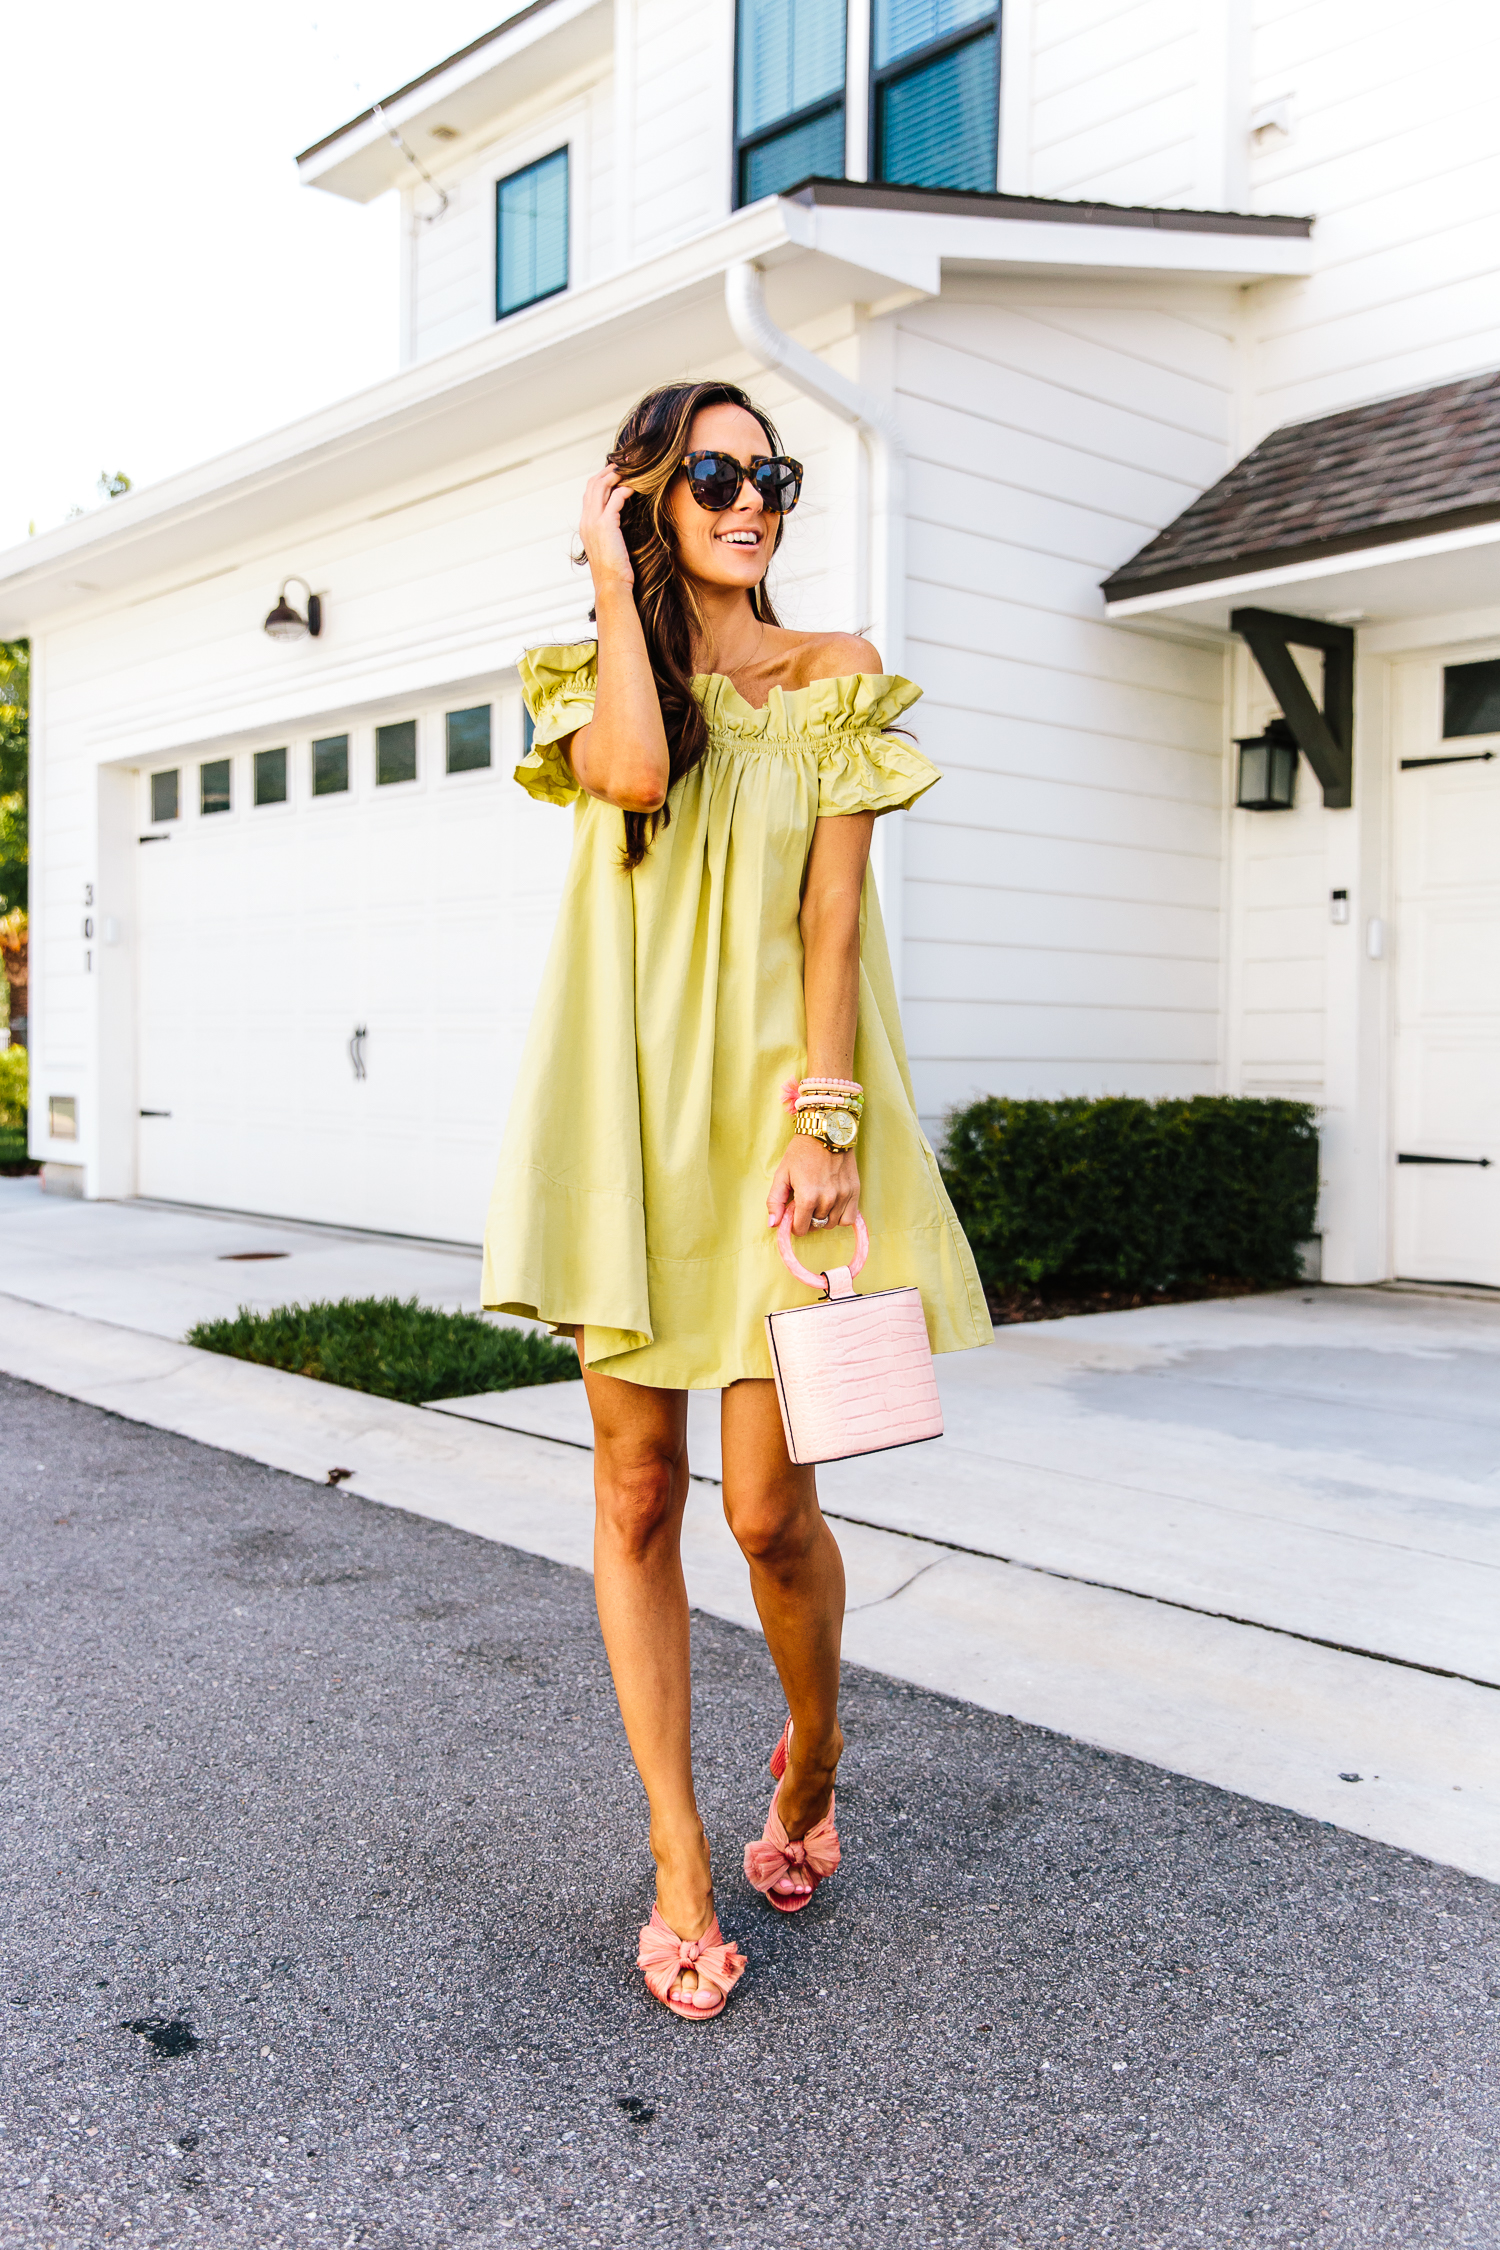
(1133,1194)
(394,1347)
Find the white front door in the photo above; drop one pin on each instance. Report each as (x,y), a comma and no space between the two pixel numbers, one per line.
(1447,970)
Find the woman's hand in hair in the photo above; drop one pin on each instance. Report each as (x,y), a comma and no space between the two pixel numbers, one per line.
(599,531)
(816,1183)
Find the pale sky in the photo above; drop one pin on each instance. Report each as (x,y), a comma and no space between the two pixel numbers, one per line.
(171,288)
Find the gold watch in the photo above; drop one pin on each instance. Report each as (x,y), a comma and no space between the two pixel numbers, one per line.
(837,1129)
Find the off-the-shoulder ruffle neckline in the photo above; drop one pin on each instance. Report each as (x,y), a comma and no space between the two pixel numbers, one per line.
(834,679)
(866,701)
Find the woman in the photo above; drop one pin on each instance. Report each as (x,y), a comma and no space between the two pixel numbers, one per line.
(719,939)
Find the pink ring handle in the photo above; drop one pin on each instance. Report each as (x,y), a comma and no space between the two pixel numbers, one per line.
(794,1264)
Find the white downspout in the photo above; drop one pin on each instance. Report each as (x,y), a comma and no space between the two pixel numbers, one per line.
(875,420)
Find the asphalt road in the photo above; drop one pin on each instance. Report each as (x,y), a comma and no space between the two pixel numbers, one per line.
(322,1866)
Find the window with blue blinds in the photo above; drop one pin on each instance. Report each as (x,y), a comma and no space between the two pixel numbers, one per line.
(936,92)
(531,234)
(789,95)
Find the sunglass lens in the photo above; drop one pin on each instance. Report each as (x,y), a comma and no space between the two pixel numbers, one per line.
(714,479)
(779,484)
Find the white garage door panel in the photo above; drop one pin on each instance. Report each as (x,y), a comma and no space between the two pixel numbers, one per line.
(420,912)
(1447,1064)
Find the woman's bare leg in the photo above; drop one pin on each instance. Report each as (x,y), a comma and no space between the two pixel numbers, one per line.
(640,1490)
(797,1578)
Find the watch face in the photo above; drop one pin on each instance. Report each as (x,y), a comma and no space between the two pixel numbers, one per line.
(840,1128)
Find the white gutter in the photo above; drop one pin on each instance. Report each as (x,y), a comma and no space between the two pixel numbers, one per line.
(885,548)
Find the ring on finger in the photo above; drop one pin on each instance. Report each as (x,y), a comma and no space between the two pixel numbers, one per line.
(820,1222)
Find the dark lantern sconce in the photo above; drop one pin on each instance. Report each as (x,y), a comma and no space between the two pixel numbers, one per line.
(288,624)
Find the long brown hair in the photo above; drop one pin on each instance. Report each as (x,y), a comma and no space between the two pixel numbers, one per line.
(648,452)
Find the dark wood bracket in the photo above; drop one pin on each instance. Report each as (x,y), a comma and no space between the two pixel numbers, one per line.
(1326,737)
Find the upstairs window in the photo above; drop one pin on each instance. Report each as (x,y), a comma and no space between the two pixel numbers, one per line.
(789,95)
(531,234)
(936,92)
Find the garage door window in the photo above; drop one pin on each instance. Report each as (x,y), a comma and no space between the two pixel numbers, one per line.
(330,765)
(469,739)
(213,786)
(164,795)
(270,777)
(396,752)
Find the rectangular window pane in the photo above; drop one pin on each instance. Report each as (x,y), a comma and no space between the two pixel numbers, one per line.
(900,27)
(813,150)
(1471,698)
(330,765)
(164,795)
(531,234)
(213,786)
(791,54)
(937,126)
(62,1117)
(469,739)
(270,777)
(396,752)
(528,731)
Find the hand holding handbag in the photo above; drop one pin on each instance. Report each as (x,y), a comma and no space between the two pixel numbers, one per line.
(853,1374)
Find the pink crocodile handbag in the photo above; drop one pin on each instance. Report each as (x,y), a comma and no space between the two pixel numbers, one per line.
(853,1374)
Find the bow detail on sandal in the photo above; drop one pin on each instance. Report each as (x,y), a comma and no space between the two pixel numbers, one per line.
(772,1859)
(664,1955)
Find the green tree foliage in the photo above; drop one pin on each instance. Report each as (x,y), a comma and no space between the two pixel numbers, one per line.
(15,681)
(1136,1195)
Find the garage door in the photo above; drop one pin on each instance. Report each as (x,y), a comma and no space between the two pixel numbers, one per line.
(340,943)
(1447,940)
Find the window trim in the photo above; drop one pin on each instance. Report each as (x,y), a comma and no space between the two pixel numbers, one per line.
(920,58)
(745,144)
(502,180)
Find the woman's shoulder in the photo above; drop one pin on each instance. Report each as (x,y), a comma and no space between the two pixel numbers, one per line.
(830,656)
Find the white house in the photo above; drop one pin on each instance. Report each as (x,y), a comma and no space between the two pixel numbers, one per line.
(1021,289)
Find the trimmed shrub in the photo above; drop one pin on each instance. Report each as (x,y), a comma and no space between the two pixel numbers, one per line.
(1136,1195)
(393,1347)
(13,1087)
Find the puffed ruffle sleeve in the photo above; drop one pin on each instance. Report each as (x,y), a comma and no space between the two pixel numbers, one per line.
(558,685)
(862,767)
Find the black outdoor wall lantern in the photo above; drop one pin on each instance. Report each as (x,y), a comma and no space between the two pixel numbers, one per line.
(288,624)
(1268,769)
(1325,735)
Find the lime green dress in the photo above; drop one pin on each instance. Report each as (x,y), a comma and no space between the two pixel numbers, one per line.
(648,1119)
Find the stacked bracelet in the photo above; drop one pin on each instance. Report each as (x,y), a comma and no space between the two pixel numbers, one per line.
(829,1110)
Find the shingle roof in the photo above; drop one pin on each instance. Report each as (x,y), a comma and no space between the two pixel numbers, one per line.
(1406,466)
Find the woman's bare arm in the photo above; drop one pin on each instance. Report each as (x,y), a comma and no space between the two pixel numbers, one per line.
(818,1184)
(622,754)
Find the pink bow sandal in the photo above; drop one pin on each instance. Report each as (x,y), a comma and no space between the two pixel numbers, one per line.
(664,1955)
(768,1863)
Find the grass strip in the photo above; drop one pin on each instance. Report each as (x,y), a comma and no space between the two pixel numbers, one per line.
(393,1347)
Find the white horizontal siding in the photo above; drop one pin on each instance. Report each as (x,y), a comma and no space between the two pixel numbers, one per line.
(1063,883)
(680,153)
(1114,98)
(1393,148)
